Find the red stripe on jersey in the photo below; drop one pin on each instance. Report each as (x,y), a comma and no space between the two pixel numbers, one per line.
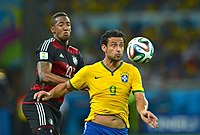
(57,45)
(59,68)
(72,50)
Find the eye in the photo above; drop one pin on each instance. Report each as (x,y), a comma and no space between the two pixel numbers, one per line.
(68,24)
(121,45)
(113,44)
(60,24)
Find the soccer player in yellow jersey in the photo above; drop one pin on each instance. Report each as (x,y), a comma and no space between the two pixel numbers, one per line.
(109,84)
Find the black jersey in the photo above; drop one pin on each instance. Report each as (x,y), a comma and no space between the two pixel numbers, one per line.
(66,61)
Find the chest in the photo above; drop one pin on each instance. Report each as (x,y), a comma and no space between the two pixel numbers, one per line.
(65,57)
(104,82)
(64,63)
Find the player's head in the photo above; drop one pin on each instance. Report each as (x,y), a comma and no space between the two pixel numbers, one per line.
(61,26)
(112,43)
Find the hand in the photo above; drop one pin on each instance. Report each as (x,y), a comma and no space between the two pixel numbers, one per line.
(42,95)
(149,118)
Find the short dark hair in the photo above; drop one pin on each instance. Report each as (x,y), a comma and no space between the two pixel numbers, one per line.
(58,14)
(111,33)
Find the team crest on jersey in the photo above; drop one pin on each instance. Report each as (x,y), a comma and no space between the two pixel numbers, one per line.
(75,60)
(124,77)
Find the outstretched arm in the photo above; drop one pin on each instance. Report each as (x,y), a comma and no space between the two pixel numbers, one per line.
(142,108)
(58,91)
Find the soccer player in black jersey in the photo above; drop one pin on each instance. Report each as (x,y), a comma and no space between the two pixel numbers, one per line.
(57,62)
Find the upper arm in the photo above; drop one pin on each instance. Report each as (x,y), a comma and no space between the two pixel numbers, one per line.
(45,55)
(43,67)
(80,79)
(46,51)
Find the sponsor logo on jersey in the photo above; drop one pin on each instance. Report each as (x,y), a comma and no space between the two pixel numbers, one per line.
(97,77)
(43,55)
(75,60)
(124,77)
(61,55)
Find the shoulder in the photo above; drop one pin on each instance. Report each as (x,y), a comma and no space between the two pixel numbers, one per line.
(46,44)
(48,41)
(91,66)
(72,50)
(96,64)
(130,66)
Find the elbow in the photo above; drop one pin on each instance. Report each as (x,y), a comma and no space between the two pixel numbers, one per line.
(43,77)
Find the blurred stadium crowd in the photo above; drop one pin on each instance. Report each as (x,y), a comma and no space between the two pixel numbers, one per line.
(172,26)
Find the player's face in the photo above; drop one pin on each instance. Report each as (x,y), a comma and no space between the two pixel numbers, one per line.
(114,49)
(62,28)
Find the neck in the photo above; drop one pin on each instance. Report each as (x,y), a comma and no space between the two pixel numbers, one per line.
(66,42)
(112,65)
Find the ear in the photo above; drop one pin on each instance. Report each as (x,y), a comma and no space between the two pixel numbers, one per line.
(104,48)
(52,30)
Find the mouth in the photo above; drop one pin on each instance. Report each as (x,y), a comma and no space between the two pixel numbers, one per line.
(66,33)
(118,55)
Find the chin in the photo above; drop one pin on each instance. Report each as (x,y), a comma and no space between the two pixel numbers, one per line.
(116,60)
(64,39)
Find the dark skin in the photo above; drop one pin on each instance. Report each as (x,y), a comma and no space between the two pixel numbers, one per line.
(61,30)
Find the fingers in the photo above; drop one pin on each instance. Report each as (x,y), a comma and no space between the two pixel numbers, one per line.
(41,95)
(35,95)
(151,115)
(153,124)
(153,120)
(150,119)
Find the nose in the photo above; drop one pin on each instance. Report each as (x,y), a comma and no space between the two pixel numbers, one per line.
(66,27)
(119,48)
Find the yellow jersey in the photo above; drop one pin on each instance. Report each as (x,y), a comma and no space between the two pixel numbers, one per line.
(109,90)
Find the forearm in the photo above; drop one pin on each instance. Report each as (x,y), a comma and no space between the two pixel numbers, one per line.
(60,90)
(52,79)
(142,108)
(46,76)
(141,104)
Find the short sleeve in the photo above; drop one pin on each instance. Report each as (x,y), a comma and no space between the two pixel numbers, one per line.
(79,81)
(45,52)
(137,81)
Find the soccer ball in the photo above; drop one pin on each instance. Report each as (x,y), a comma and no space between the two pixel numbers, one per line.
(140,50)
